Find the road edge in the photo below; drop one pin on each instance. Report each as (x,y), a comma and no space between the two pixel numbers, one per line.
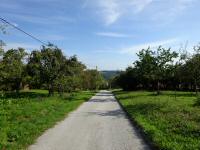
(139,128)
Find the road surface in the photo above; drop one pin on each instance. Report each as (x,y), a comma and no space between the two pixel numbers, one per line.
(99,124)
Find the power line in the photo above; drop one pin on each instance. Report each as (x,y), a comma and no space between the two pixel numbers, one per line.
(33,37)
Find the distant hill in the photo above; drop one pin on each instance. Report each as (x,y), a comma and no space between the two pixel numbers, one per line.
(110,74)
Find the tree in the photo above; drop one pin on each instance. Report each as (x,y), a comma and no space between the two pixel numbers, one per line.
(128,80)
(164,58)
(69,78)
(92,79)
(33,69)
(46,65)
(152,69)
(13,69)
(50,68)
(192,69)
(146,67)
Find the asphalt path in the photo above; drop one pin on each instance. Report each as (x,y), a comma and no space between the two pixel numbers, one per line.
(99,124)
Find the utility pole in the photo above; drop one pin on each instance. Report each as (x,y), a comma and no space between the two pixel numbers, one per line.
(96,77)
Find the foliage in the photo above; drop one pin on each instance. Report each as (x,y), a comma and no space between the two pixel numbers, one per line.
(46,68)
(162,70)
(25,116)
(12,69)
(171,123)
(92,80)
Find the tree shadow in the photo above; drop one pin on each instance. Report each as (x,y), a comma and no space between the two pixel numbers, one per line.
(78,96)
(110,113)
(13,95)
(101,94)
(98,100)
(119,113)
(143,109)
(188,94)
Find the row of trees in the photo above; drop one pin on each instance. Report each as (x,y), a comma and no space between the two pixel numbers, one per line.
(46,68)
(162,69)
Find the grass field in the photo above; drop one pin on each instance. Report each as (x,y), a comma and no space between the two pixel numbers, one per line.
(23,118)
(172,123)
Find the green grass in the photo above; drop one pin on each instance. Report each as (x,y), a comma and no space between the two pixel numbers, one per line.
(25,117)
(172,123)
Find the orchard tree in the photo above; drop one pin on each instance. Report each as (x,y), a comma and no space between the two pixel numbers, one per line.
(13,69)
(92,79)
(33,69)
(146,67)
(51,64)
(164,59)
(45,66)
(69,78)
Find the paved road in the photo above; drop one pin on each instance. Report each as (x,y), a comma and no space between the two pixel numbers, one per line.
(99,124)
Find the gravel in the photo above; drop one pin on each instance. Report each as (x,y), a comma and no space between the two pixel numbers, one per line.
(99,124)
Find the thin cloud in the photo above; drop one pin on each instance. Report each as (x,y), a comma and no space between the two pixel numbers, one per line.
(23,45)
(132,50)
(111,11)
(41,20)
(135,48)
(112,34)
(171,9)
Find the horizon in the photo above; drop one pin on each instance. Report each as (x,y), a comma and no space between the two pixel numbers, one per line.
(103,33)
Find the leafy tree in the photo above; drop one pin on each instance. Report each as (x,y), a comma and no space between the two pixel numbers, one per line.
(13,69)
(164,58)
(151,70)
(129,79)
(46,65)
(192,69)
(69,78)
(146,67)
(92,79)
(33,69)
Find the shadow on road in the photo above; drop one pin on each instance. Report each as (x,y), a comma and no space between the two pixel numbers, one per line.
(96,100)
(112,113)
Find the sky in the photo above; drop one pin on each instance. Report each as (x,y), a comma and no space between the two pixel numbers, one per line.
(103,33)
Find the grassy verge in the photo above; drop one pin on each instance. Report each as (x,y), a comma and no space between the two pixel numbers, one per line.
(23,118)
(172,123)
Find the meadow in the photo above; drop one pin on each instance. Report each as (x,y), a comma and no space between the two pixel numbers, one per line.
(170,122)
(26,116)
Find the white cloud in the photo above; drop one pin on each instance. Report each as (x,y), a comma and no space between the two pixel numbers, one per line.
(132,50)
(170,10)
(112,34)
(23,45)
(112,10)
(135,48)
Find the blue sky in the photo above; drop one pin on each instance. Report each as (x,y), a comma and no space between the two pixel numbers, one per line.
(103,33)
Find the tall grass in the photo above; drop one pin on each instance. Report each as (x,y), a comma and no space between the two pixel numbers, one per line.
(26,116)
(172,123)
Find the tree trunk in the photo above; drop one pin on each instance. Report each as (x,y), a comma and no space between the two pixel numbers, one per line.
(60,90)
(158,88)
(17,87)
(195,86)
(51,90)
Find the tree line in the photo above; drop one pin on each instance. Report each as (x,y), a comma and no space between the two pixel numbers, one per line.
(47,68)
(162,69)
